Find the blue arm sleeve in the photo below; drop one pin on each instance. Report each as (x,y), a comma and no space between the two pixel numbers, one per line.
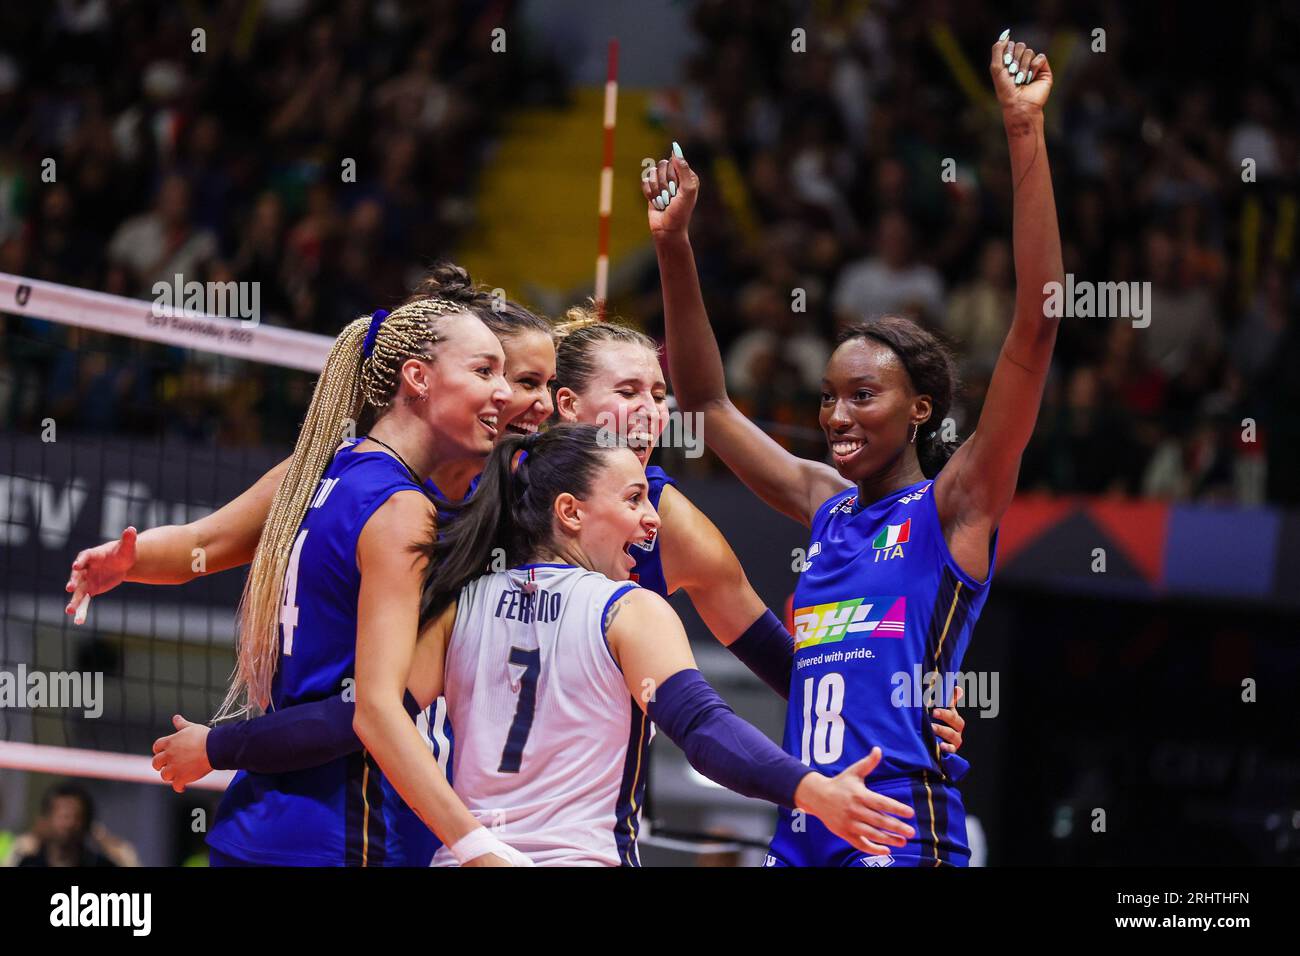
(767,649)
(293,738)
(720,745)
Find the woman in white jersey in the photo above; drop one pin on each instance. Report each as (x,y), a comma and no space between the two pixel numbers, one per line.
(551,664)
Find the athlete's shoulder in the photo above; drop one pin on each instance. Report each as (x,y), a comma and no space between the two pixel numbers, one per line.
(657,477)
(842,502)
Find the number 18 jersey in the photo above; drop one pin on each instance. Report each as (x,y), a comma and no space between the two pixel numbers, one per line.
(880,606)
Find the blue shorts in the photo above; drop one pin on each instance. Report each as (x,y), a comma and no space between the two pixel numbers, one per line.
(939,822)
(217,858)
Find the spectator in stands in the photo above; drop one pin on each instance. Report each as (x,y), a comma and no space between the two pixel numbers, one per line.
(891,281)
(63,831)
(159,245)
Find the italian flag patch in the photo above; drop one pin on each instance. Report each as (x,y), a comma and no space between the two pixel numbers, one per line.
(893,534)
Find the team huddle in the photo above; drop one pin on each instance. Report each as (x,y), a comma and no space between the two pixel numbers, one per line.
(455,633)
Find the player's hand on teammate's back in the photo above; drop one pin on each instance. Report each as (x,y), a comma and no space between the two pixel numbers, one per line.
(952,723)
(866,819)
(670,190)
(97,570)
(182,758)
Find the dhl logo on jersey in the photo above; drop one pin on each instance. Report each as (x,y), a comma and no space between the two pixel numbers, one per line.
(857,618)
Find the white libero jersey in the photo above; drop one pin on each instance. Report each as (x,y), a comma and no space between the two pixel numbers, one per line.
(550,747)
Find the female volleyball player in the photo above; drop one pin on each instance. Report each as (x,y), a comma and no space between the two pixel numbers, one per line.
(607,375)
(228,537)
(333,591)
(550,663)
(903,536)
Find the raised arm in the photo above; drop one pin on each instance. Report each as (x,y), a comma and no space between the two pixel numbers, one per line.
(792,485)
(650,646)
(976,486)
(170,554)
(387,628)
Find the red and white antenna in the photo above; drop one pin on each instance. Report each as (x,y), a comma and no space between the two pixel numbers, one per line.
(607,180)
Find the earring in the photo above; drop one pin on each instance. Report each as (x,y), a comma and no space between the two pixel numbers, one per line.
(915,429)
(424,396)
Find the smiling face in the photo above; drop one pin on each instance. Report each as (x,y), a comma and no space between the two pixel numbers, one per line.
(530,371)
(465,388)
(615,515)
(868,407)
(626,394)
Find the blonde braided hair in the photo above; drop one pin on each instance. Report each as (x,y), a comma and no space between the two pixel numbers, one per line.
(350,384)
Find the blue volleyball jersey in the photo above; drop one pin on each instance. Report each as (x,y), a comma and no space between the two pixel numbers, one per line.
(649,569)
(880,607)
(343,813)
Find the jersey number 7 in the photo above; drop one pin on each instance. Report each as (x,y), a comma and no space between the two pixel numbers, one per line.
(531,661)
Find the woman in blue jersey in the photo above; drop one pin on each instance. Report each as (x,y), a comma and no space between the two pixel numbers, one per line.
(547,661)
(329,603)
(903,528)
(228,537)
(608,375)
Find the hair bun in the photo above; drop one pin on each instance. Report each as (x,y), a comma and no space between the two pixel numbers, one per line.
(446,279)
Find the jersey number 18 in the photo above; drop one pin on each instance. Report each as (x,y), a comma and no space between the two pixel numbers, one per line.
(823,741)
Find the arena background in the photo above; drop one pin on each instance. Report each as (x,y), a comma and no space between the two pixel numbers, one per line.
(1157,690)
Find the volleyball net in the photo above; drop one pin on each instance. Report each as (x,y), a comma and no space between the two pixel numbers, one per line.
(117,412)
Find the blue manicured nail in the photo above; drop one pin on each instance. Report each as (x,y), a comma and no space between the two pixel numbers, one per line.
(677,151)
(1011,68)
(1006,59)
(1030,77)
(658,204)
(665,197)
(1005,34)
(1020,78)
(672,188)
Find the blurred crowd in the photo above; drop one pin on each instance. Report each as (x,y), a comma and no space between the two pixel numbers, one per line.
(223,156)
(870,175)
(865,173)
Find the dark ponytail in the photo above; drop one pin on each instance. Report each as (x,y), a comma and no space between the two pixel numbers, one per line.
(933,371)
(511,509)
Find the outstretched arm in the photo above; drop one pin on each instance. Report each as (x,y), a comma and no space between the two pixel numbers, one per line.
(976,486)
(170,554)
(792,485)
(650,646)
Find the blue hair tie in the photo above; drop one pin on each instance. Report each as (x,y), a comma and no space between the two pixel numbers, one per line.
(376,321)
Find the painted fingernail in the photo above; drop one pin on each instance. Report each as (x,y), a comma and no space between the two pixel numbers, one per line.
(665,197)
(658,204)
(1020,78)
(1006,58)
(1011,67)
(677,151)
(672,188)
(1005,33)
(1030,77)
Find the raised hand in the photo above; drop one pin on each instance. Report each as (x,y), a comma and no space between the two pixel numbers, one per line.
(1021,77)
(670,189)
(97,570)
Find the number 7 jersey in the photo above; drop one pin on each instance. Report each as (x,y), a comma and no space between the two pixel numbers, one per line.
(550,747)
